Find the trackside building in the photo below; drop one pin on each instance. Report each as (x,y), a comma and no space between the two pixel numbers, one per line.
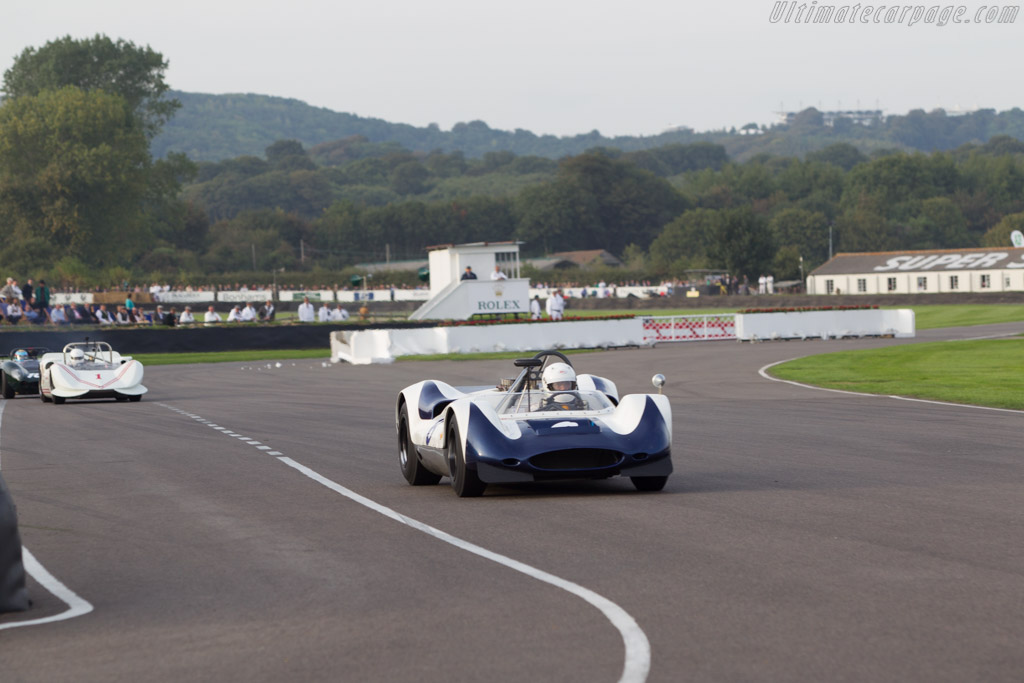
(980,270)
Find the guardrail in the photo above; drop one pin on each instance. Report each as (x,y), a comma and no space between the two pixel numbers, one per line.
(678,328)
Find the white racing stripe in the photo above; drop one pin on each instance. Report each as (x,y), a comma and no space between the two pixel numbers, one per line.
(764,373)
(76,605)
(637,662)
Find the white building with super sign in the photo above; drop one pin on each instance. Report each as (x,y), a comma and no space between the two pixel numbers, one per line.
(979,270)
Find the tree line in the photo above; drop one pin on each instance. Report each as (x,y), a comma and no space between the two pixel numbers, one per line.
(81,193)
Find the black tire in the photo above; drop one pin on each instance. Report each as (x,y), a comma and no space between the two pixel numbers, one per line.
(135,398)
(8,391)
(412,469)
(57,400)
(465,481)
(120,398)
(649,483)
(42,396)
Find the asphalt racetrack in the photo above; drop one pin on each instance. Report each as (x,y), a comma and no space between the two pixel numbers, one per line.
(215,532)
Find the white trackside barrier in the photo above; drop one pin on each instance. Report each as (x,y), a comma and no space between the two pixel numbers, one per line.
(834,324)
(362,347)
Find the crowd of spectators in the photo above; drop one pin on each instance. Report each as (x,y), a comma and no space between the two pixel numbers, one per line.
(31,304)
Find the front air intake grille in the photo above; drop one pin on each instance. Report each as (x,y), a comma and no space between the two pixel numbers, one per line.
(576,459)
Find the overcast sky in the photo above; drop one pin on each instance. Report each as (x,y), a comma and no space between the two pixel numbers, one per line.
(634,67)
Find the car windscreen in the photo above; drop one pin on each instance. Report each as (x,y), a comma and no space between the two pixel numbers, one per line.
(519,403)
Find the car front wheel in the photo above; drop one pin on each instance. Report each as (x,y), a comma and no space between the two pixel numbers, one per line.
(412,469)
(649,483)
(8,390)
(465,481)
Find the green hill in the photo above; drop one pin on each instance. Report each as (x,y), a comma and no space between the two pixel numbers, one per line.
(217,127)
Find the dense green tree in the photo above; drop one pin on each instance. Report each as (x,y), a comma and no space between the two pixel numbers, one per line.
(685,242)
(999,234)
(409,178)
(742,243)
(97,64)
(73,173)
(289,155)
(805,231)
(552,217)
(939,225)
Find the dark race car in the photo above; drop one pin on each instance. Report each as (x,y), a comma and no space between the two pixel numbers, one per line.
(21,372)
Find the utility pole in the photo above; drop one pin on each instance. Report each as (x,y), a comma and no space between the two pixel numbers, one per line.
(254,257)
(387,253)
(302,251)
(829,241)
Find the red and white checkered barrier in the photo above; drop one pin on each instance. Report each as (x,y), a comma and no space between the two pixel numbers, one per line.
(676,328)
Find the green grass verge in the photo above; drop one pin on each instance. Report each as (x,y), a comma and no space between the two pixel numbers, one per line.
(984,372)
(229,356)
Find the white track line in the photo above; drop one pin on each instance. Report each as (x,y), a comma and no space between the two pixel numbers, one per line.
(764,373)
(76,605)
(637,662)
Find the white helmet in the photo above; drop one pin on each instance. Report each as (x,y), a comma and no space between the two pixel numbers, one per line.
(21,354)
(559,377)
(77,355)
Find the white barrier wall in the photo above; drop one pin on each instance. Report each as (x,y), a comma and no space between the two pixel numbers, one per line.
(825,324)
(239,297)
(175,297)
(71,298)
(362,347)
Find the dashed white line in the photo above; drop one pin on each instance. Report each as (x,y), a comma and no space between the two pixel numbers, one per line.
(637,661)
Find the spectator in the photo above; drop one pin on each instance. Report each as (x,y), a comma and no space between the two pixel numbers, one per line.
(129,304)
(266,312)
(306,312)
(535,308)
(186,317)
(212,317)
(158,315)
(469,274)
(170,318)
(339,314)
(59,316)
(123,317)
(103,316)
(248,313)
(235,316)
(42,300)
(324,314)
(28,293)
(11,291)
(556,305)
(14,310)
(498,275)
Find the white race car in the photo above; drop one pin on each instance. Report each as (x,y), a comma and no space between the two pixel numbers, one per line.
(89,369)
(547,423)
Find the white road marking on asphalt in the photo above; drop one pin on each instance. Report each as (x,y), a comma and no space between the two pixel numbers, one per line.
(763,372)
(637,662)
(638,649)
(76,605)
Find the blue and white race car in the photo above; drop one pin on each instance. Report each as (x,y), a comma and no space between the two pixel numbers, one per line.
(547,423)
